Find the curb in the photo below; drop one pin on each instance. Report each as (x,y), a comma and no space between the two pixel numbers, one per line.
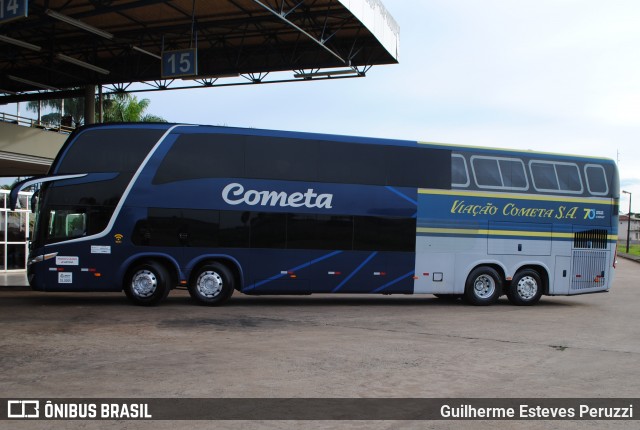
(630,257)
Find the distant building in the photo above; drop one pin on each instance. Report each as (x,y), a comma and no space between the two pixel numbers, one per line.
(634,237)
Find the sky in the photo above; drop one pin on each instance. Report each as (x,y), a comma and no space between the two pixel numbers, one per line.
(546,75)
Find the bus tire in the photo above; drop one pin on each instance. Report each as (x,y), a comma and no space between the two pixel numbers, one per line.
(212,284)
(483,286)
(147,284)
(526,288)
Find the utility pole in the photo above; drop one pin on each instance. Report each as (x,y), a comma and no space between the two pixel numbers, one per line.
(628,220)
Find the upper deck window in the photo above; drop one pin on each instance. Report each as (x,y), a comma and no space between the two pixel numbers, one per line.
(196,156)
(596,179)
(110,150)
(499,173)
(459,171)
(556,177)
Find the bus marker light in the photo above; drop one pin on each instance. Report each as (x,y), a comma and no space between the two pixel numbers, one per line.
(416,277)
(509,278)
(334,273)
(97,275)
(183,282)
(60,269)
(425,274)
(578,276)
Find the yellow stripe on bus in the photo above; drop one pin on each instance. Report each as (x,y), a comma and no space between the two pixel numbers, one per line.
(486,232)
(511,196)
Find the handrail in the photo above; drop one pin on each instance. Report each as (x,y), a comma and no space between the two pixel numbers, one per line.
(29,122)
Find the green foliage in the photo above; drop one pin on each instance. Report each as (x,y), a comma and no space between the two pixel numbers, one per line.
(73,107)
(116,108)
(127,108)
(633,249)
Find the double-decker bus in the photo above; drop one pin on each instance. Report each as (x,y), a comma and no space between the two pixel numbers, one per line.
(147,208)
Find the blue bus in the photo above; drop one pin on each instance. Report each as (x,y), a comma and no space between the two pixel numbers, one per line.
(147,208)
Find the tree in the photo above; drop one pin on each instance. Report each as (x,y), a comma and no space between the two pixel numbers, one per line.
(73,107)
(127,108)
(116,108)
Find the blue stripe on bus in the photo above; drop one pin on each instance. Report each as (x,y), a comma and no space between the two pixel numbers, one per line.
(301,266)
(407,198)
(352,274)
(395,281)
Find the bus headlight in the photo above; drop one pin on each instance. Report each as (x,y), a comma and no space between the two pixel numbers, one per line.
(40,258)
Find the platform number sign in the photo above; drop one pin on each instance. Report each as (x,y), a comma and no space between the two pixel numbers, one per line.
(12,9)
(179,63)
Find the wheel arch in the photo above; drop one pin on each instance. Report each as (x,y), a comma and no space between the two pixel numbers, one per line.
(168,262)
(493,264)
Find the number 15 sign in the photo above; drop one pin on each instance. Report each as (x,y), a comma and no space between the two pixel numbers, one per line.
(179,63)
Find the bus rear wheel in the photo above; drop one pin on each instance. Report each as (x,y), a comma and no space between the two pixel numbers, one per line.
(526,288)
(147,284)
(483,286)
(212,284)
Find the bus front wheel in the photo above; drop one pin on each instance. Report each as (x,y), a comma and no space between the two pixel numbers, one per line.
(483,286)
(212,284)
(147,284)
(526,288)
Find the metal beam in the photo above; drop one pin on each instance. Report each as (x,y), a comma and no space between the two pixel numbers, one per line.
(283,17)
(255,79)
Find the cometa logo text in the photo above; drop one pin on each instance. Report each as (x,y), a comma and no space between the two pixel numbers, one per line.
(235,194)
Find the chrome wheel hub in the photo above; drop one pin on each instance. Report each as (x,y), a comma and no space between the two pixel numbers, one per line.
(144,283)
(527,288)
(484,286)
(209,284)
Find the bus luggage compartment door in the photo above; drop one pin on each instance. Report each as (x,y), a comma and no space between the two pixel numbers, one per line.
(508,238)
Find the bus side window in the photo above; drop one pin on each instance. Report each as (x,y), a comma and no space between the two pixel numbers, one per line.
(499,173)
(569,177)
(459,171)
(513,174)
(556,177)
(486,172)
(596,179)
(75,225)
(66,224)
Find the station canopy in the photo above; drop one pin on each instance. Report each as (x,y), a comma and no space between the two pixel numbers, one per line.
(57,47)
